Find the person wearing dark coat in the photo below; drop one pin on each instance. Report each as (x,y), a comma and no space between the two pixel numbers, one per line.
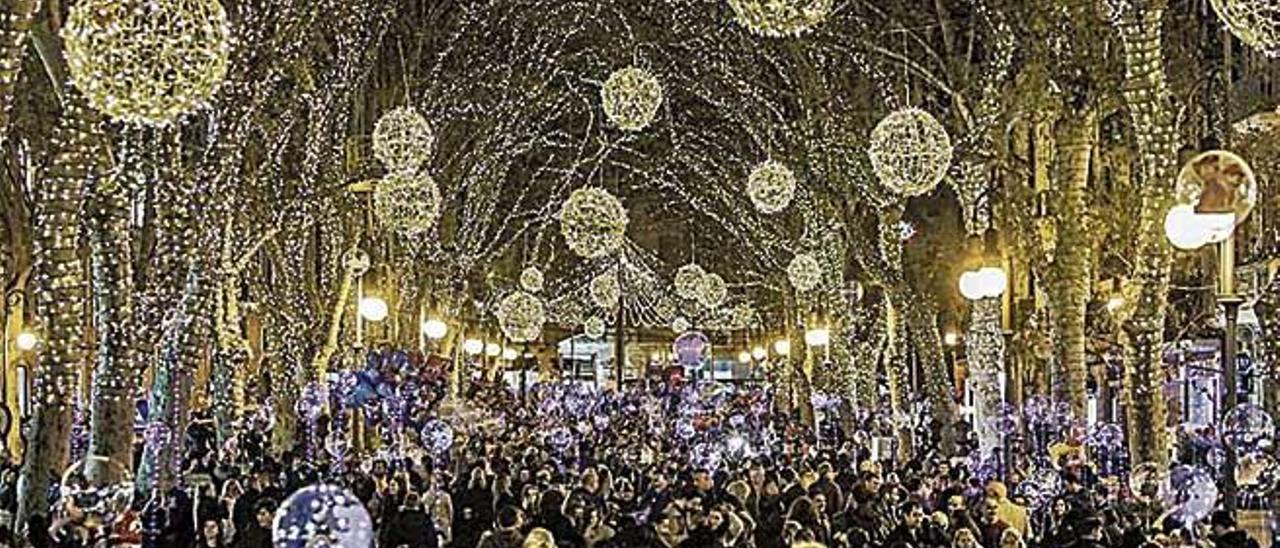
(411,527)
(1227,535)
(507,530)
(551,517)
(257,533)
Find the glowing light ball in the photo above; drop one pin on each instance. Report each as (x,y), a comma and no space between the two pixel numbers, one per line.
(594,327)
(1254,22)
(437,436)
(322,515)
(817,337)
(759,353)
(531,279)
(373,309)
(27,341)
(407,203)
(691,349)
(1147,481)
(1183,229)
(679,324)
(492,350)
(771,186)
(712,291)
(631,97)
(147,61)
(403,140)
(804,272)
(435,329)
(1004,420)
(1041,488)
(1190,492)
(593,222)
(744,357)
(356,261)
(910,152)
(687,279)
(510,354)
(782,347)
(520,316)
(779,18)
(1247,427)
(473,347)
(606,291)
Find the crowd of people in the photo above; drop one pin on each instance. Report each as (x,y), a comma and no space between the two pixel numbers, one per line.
(668,467)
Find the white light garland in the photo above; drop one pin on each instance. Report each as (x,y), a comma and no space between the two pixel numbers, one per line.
(520,316)
(711,291)
(147,61)
(687,279)
(594,327)
(593,222)
(771,186)
(804,272)
(631,97)
(910,152)
(403,140)
(605,290)
(407,203)
(779,18)
(1254,22)
(531,279)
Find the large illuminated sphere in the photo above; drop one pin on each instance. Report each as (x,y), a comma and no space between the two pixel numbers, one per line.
(593,222)
(804,272)
(1223,182)
(373,309)
(631,97)
(605,290)
(1183,230)
(771,186)
(1254,22)
(779,18)
(910,152)
(403,140)
(711,290)
(594,327)
(520,316)
(531,279)
(147,61)
(687,279)
(782,347)
(407,203)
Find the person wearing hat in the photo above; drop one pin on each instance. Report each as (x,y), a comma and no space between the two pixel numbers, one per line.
(1008,511)
(1226,534)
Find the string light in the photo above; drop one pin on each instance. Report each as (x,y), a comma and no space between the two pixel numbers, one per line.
(771,187)
(679,325)
(804,272)
(910,152)
(473,347)
(1254,22)
(520,315)
(435,329)
(631,97)
(605,290)
(403,140)
(27,341)
(492,349)
(779,18)
(408,203)
(593,222)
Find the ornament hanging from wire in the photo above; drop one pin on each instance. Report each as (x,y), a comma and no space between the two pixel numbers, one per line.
(1254,22)
(593,222)
(407,203)
(771,187)
(520,316)
(711,291)
(145,61)
(605,290)
(778,18)
(594,327)
(679,325)
(910,152)
(631,97)
(403,140)
(531,279)
(687,279)
(804,272)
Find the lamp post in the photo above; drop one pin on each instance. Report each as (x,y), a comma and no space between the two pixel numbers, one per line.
(984,348)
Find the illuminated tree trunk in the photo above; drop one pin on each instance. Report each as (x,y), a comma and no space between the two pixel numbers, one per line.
(1148,99)
(13,43)
(115,374)
(1071,268)
(922,317)
(984,352)
(59,302)
(895,365)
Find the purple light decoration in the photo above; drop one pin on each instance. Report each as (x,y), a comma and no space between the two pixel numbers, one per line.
(1038,410)
(691,348)
(1248,428)
(437,436)
(1191,492)
(322,515)
(1108,436)
(1004,420)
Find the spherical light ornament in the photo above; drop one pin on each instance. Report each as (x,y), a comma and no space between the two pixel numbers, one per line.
(1254,22)
(403,140)
(631,97)
(712,290)
(492,350)
(356,261)
(1183,230)
(520,316)
(407,203)
(1190,492)
(605,290)
(782,347)
(804,272)
(1219,182)
(145,61)
(778,18)
(322,515)
(531,279)
(373,309)
(27,341)
(1248,427)
(435,329)
(679,325)
(593,222)
(744,357)
(910,152)
(473,347)
(759,353)
(771,187)
(594,327)
(687,279)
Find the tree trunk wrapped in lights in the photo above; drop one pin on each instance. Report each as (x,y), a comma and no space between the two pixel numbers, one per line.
(60,301)
(1072,257)
(922,319)
(984,352)
(13,43)
(1148,98)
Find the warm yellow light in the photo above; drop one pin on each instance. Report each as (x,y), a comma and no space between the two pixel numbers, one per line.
(510,354)
(817,337)
(472,347)
(1114,303)
(373,309)
(759,353)
(435,329)
(492,350)
(782,347)
(27,341)
(951,338)
(655,356)
(744,357)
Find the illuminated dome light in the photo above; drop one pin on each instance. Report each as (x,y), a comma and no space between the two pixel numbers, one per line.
(520,316)
(759,353)
(744,357)
(1218,226)
(593,222)
(27,341)
(951,338)
(403,140)
(606,291)
(631,97)
(971,285)
(435,329)
(144,61)
(1183,229)
(407,203)
(373,309)
(780,18)
(510,354)
(473,347)
(910,152)
(531,279)
(712,291)
(804,272)
(1254,22)
(995,281)
(594,327)
(687,279)
(817,337)
(771,186)
(492,350)
(782,347)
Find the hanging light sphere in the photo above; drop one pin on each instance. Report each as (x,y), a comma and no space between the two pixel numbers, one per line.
(373,309)
(435,329)
(711,291)
(687,279)
(531,279)
(510,354)
(631,97)
(403,140)
(145,61)
(407,203)
(910,152)
(759,353)
(605,290)
(594,327)
(1254,22)
(356,261)
(971,285)
(679,325)
(778,18)
(27,341)
(593,222)
(473,347)
(492,350)
(804,272)
(771,186)
(994,281)
(782,347)
(520,316)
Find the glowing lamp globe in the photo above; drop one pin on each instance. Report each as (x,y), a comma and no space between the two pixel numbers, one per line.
(744,357)
(1183,229)
(435,329)
(687,279)
(782,347)
(520,316)
(951,338)
(817,337)
(510,354)
(804,272)
(759,353)
(27,341)
(373,309)
(492,350)
(473,347)
(971,285)
(594,327)
(994,281)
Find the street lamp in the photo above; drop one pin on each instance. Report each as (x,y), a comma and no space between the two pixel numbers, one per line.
(820,336)
(435,329)
(782,347)
(373,309)
(987,282)
(472,347)
(744,357)
(759,353)
(27,341)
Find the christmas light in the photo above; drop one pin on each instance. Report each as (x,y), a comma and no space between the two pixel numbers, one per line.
(27,341)
(771,186)
(473,347)
(631,97)
(593,222)
(910,152)
(435,329)
(403,140)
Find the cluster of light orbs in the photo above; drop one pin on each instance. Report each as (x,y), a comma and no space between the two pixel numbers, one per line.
(403,140)
(779,18)
(910,152)
(145,61)
(520,316)
(983,283)
(804,272)
(771,187)
(631,97)
(407,202)
(1254,22)
(593,222)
